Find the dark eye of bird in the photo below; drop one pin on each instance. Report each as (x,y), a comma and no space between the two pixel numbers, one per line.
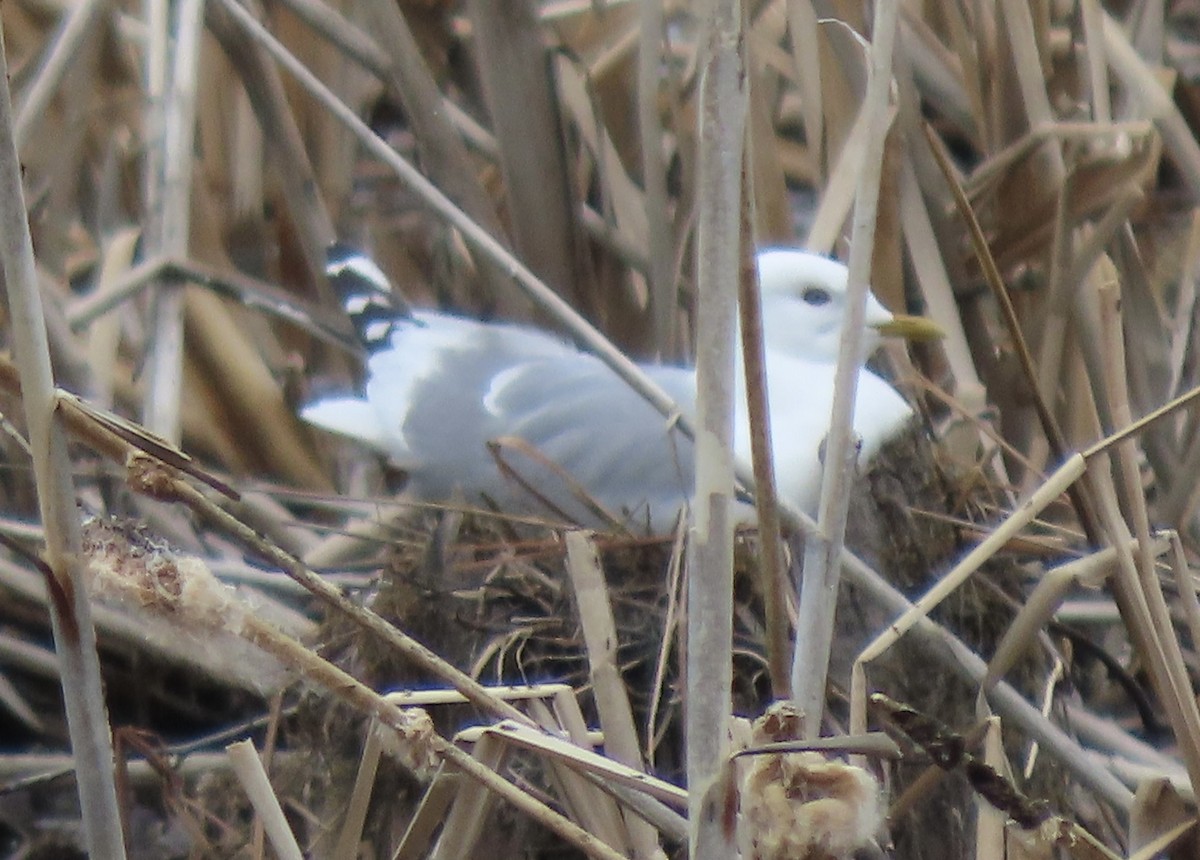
(816,296)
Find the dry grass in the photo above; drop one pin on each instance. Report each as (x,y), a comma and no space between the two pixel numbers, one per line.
(185,168)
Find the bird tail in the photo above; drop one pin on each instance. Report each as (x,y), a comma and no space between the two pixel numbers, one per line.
(366,294)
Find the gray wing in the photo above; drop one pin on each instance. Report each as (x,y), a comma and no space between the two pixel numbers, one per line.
(450,386)
(584,418)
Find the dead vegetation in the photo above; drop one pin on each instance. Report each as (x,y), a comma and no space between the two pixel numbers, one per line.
(457,682)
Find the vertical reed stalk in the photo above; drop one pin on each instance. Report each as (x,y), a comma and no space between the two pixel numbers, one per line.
(70,614)
(822,568)
(723,105)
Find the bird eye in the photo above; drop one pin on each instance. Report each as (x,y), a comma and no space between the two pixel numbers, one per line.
(816,296)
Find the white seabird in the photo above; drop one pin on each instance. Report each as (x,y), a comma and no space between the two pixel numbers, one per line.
(518,417)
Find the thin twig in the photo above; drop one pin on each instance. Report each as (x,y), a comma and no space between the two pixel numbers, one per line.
(772,568)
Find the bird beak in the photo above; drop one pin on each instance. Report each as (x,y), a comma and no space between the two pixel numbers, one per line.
(916,329)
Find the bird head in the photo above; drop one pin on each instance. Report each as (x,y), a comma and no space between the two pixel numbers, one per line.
(804,297)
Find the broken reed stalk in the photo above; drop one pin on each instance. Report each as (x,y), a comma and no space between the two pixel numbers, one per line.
(723,106)
(822,551)
(351,832)
(601,643)
(253,776)
(70,613)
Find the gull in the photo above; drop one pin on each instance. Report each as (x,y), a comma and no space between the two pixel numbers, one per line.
(513,416)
